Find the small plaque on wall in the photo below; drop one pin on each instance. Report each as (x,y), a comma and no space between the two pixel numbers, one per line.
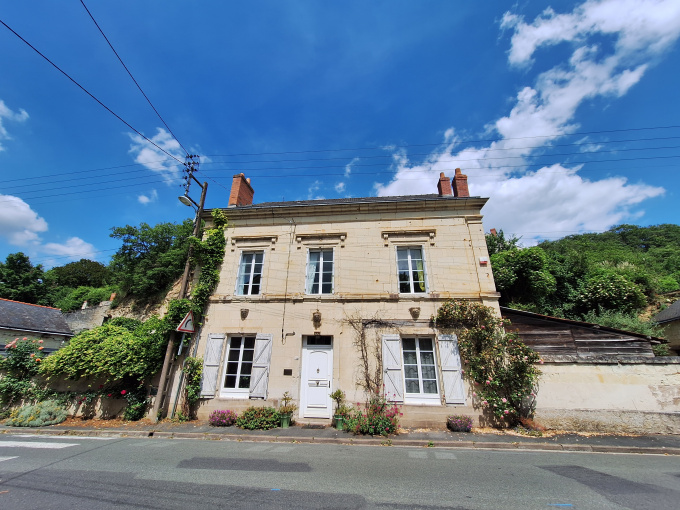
(287,371)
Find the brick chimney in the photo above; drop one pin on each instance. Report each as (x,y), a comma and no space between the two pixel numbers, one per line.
(460,185)
(444,186)
(241,191)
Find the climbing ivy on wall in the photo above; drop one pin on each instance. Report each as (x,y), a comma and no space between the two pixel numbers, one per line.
(501,367)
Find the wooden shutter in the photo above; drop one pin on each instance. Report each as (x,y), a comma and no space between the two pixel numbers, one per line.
(259,378)
(393,377)
(452,377)
(211,364)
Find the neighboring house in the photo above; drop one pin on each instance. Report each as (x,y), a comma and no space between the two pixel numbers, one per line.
(35,322)
(669,319)
(565,337)
(304,283)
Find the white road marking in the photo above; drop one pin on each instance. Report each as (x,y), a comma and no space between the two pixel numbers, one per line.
(64,437)
(7,458)
(35,444)
(444,456)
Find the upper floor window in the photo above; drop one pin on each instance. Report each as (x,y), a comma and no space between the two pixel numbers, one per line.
(411,270)
(249,273)
(320,272)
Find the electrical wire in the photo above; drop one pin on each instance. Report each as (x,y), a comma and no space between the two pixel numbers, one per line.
(89,93)
(133,78)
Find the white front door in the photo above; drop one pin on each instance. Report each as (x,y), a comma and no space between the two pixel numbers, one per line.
(317,374)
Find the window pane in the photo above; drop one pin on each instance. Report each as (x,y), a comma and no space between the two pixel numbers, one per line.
(249,343)
(428,372)
(244,382)
(258,258)
(411,371)
(247,356)
(230,381)
(409,344)
(246,368)
(430,387)
(412,386)
(232,367)
(427,358)
(410,358)
(236,342)
(426,344)
(233,354)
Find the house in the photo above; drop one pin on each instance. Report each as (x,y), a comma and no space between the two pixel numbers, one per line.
(314,294)
(669,319)
(35,322)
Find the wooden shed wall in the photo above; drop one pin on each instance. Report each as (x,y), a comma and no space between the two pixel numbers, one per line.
(562,338)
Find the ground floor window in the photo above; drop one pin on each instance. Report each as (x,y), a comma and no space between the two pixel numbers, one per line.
(420,371)
(239,364)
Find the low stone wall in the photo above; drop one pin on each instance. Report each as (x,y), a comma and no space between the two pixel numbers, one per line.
(610,394)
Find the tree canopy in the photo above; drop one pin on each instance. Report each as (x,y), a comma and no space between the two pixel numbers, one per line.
(151,258)
(20,280)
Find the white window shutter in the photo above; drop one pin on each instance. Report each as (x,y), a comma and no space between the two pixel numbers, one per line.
(211,364)
(259,377)
(452,377)
(393,377)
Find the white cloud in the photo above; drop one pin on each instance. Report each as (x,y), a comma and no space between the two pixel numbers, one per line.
(340,187)
(348,166)
(74,249)
(147,199)
(20,224)
(156,160)
(6,113)
(555,198)
(312,191)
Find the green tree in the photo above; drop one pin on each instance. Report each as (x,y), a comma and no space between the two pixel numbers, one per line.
(83,273)
(523,275)
(498,243)
(20,280)
(151,258)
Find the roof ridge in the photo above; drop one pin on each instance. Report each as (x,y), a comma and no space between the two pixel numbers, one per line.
(30,304)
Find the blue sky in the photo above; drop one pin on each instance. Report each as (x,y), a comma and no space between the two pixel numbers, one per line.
(567,117)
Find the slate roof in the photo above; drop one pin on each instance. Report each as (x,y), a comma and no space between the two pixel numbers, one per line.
(18,316)
(358,200)
(672,313)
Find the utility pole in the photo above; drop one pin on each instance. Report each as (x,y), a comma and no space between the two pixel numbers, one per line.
(190,167)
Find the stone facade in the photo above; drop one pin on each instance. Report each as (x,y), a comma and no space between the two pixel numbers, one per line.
(304,337)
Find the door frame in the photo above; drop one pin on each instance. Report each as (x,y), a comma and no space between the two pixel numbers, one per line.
(304,381)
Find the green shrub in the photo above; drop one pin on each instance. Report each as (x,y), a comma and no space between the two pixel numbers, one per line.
(74,300)
(661,350)
(258,418)
(38,415)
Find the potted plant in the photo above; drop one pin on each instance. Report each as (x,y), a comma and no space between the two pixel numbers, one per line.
(286,410)
(340,409)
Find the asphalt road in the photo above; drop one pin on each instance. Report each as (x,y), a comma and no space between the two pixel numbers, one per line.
(60,472)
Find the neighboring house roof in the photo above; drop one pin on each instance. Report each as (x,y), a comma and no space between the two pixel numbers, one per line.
(29,318)
(672,313)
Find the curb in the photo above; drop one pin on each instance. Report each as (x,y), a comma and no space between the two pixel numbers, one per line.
(355,441)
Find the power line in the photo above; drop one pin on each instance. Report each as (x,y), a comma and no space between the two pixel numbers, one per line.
(133,78)
(489,140)
(88,92)
(61,175)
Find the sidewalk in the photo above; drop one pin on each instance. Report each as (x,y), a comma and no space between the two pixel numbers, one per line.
(652,444)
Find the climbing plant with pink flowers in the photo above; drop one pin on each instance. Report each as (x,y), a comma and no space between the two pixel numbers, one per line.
(502,369)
